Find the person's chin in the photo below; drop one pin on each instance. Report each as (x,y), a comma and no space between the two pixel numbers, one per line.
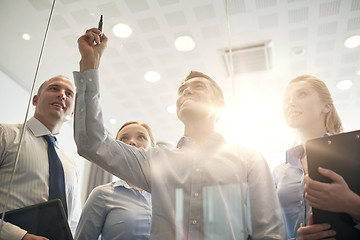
(57,115)
(186,113)
(186,110)
(192,112)
(295,123)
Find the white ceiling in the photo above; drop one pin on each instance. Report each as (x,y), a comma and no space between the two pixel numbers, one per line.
(319,27)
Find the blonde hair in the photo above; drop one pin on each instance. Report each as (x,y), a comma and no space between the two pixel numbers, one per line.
(332,120)
(148,129)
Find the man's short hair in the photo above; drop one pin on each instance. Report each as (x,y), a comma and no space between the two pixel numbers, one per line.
(220,102)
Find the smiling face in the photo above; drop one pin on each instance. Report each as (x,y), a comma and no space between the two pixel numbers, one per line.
(303,107)
(195,98)
(54,101)
(135,135)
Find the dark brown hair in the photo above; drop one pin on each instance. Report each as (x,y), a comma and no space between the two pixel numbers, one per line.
(220,102)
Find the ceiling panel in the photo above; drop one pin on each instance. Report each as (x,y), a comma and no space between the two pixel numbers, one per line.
(319,27)
(299,15)
(137,5)
(148,24)
(59,23)
(325,46)
(204,12)
(167,2)
(236,6)
(353,24)
(328,8)
(299,34)
(355,5)
(268,21)
(82,17)
(158,42)
(40,4)
(174,19)
(110,10)
(350,58)
(327,29)
(265,3)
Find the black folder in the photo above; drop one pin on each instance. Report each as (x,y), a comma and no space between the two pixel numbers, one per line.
(45,219)
(341,154)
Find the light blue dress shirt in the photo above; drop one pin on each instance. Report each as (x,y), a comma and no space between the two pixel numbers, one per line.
(289,181)
(117,212)
(209,192)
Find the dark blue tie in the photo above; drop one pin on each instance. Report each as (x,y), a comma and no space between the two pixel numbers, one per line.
(56,174)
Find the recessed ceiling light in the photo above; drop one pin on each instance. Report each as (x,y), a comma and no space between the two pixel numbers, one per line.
(344,84)
(184,44)
(112,120)
(171,109)
(358,73)
(122,30)
(352,42)
(152,76)
(26,36)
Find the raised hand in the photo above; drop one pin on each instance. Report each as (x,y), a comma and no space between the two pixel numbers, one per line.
(91,49)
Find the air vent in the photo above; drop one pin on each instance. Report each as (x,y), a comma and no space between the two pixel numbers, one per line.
(248,59)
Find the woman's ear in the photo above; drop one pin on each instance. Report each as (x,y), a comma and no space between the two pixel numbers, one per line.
(327,107)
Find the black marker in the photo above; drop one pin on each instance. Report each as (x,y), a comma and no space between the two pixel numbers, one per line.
(100,27)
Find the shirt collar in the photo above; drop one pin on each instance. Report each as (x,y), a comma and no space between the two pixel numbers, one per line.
(293,155)
(122,183)
(214,139)
(37,128)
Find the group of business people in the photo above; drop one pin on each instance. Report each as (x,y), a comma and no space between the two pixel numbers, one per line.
(204,188)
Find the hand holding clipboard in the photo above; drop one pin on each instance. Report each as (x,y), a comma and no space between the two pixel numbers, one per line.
(333,185)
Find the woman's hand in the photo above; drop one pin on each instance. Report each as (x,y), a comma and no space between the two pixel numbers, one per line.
(315,231)
(29,236)
(332,197)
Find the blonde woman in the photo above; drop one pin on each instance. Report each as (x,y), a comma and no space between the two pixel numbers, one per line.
(119,210)
(309,109)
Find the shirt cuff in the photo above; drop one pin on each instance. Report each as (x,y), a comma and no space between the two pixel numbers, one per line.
(12,232)
(87,81)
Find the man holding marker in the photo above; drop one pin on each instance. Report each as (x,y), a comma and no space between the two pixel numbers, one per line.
(203,189)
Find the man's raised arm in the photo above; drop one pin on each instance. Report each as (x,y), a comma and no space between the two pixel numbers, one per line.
(93,142)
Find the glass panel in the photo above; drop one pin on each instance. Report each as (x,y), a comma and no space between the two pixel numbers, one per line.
(223,206)
(179,209)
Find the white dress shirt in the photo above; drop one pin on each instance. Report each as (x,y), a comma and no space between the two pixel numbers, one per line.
(215,191)
(31,180)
